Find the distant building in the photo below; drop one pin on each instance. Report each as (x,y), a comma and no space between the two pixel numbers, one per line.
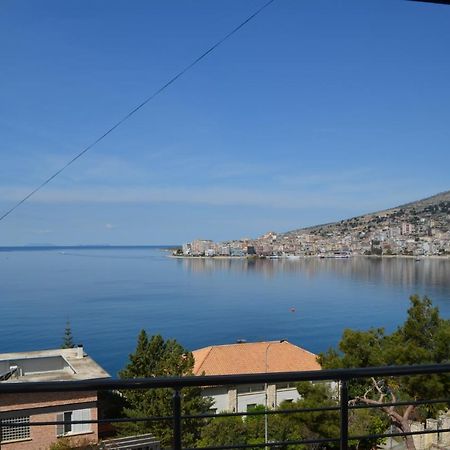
(23,409)
(407,228)
(236,251)
(187,249)
(254,357)
(251,250)
(200,246)
(270,236)
(224,250)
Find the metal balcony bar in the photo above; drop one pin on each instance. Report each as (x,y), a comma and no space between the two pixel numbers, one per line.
(177,383)
(222,380)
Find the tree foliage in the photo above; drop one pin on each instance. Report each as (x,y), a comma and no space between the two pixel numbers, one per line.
(224,431)
(68,337)
(424,338)
(295,426)
(156,357)
(236,430)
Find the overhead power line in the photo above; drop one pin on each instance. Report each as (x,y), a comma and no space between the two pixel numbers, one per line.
(137,108)
(440,2)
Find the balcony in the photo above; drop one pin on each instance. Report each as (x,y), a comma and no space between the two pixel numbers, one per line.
(342,378)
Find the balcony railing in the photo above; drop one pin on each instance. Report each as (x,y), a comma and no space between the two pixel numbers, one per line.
(342,376)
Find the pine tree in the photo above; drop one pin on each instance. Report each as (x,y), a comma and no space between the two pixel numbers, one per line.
(68,338)
(155,357)
(424,338)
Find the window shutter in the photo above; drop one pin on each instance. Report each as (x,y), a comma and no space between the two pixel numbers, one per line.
(81,414)
(60,426)
(86,414)
(76,415)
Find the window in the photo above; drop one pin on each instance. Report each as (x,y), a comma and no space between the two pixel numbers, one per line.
(251,407)
(246,389)
(17,432)
(67,417)
(67,425)
(285,385)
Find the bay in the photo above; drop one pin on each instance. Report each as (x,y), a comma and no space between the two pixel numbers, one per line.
(110,294)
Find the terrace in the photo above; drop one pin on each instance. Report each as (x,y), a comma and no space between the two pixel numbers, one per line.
(344,377)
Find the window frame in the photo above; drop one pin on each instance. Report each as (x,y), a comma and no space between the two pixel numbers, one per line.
(69,429)
(17,433)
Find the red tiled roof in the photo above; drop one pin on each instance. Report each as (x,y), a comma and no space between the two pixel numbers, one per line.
(253,357)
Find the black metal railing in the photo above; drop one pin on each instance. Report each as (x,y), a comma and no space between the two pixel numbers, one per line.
(342,376)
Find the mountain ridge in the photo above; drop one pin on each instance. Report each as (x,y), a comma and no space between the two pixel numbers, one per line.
(433,199)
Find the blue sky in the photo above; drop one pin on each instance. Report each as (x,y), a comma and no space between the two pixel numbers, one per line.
(315,111)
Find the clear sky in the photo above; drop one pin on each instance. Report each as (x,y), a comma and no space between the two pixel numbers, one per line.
(316,111)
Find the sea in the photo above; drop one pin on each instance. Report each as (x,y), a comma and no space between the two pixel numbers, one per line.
(109,294)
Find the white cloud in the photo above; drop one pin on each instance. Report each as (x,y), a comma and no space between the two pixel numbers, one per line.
(214,195)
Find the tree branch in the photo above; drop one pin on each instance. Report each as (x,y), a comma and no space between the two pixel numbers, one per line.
(388,410)
(408,411)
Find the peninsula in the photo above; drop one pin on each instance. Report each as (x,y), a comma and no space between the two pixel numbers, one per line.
(420,228)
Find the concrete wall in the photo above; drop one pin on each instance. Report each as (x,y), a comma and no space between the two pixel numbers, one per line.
(432,440)
(220,396)
(287,394)
(237,400)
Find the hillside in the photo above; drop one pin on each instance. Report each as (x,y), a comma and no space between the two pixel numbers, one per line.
(420,228)
(436,207)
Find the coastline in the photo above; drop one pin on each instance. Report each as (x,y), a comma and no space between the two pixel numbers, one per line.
(284,258)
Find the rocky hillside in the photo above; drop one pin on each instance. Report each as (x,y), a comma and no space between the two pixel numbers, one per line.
(434,210)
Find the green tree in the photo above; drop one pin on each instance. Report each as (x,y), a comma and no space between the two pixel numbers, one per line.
(320,424)
(68,338)
(156,357)
(255,426)
(224,431)
(236,430)
(325,424)
(423,338)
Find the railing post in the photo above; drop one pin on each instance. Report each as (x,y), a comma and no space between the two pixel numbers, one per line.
(176,420)
(344,414)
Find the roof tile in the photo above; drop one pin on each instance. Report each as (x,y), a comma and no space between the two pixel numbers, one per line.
(253,357)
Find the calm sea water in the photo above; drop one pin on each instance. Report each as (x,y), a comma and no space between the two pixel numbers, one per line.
(109,295)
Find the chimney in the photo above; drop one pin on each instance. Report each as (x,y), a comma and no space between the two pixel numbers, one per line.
(80,351)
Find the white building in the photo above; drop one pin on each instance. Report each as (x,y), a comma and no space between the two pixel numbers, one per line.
(254,357)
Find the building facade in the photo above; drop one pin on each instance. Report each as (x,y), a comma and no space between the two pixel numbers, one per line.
(24,409)
(254,357)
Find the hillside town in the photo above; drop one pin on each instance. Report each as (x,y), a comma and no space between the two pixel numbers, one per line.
(418,229)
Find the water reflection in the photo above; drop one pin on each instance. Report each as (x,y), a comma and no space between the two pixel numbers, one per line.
(404,272)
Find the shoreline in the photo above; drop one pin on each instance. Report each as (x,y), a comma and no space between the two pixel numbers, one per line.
(285,258)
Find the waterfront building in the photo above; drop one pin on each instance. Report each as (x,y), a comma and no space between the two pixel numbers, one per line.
(200,246)
(224,250)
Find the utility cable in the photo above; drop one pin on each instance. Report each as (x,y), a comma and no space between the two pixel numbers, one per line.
(138,107)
